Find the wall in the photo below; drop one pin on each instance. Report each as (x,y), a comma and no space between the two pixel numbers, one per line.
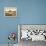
(28,12)
(33,12)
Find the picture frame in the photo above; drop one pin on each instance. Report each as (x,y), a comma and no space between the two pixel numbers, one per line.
(10,11)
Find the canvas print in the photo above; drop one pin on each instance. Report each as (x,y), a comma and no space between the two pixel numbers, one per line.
(10,11)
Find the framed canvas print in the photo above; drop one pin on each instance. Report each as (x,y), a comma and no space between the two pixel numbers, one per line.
(10,11)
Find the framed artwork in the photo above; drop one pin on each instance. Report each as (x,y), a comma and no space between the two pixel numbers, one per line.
(10,11)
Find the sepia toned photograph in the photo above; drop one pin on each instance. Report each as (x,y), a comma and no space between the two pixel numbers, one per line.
(10,11)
